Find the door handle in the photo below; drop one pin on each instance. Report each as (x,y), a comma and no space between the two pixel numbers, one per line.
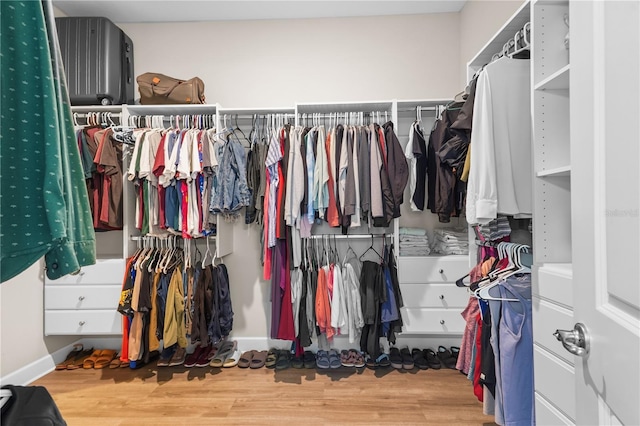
(575,341)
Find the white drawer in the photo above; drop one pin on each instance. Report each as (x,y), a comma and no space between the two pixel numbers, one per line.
(82,322)
(548,318)
(554,282)
(105,271)
(82,297)
(434,296)
(429,321)
(555,381)
(443,269)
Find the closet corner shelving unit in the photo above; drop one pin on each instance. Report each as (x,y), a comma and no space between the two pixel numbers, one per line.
(552,270)
(432,303)
(85,304)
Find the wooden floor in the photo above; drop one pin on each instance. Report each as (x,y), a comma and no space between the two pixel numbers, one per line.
(234,396)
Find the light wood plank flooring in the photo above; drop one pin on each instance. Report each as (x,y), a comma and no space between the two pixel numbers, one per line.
(234,396)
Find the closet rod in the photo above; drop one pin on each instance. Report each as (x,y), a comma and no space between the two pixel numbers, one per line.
(350,236)
(141,238)
(431,108)
(97,114)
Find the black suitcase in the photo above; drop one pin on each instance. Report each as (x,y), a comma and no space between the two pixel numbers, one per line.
(98,61)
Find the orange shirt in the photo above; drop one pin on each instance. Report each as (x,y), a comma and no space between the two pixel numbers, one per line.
(323,306)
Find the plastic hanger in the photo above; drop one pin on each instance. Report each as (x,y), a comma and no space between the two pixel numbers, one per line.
(206,254)
(372,249)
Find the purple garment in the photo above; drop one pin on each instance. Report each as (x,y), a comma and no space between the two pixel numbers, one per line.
(277,280)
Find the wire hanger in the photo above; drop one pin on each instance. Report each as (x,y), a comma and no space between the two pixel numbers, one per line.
(371,248)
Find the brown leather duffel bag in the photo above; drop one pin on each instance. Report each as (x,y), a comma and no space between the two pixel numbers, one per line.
(157,89)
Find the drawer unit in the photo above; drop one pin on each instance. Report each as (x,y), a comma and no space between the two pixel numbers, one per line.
(432,321)
(432,269)
(82,297)
(85,303)
(70,322)
(434,296)
(104,272)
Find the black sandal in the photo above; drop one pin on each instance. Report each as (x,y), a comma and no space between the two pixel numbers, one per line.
(446,358)
(418,359)
(432,359)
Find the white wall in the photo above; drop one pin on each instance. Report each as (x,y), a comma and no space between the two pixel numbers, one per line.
(279,62)
(276,63)
(479,21)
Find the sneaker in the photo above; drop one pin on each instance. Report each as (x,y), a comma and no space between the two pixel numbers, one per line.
(192,358)
(165,357)
(178,357)
(203,359)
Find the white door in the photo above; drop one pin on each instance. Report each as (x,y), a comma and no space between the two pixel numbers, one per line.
(605,188)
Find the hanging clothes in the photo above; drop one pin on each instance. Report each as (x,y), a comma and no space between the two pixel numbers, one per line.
(500,173)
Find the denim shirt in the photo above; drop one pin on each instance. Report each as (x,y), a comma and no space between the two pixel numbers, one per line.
(232,192)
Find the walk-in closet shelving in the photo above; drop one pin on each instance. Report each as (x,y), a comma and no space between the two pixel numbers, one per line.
(552,270)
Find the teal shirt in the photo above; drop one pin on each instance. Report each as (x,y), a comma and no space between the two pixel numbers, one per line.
(44,207)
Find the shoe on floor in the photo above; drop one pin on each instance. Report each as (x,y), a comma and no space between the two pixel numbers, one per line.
(233,359)
(284,359)
(334,359)
(432,359)
(245,359)
(71,356)
(446,358)
(407,359)
(178,357)
(322,359)
(396,358)
(309,359)
(418,359)
(192,358)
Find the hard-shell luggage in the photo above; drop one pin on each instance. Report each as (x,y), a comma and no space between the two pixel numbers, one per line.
(98,61)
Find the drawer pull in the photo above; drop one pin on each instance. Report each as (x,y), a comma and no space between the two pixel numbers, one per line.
(441,271)
(442,322)
(442,297)
(81,323)
(81,298)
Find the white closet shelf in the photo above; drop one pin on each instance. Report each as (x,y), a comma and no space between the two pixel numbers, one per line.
(311,108)
(562,269)
(259,111)
(96,108)
(172,109)
(559,80)
(550,2)
(504,34)
(555,172)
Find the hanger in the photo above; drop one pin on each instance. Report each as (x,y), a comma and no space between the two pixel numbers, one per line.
(373,249)
(206,253)
(512,251)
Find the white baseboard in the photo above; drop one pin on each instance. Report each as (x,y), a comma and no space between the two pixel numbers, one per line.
(33,371)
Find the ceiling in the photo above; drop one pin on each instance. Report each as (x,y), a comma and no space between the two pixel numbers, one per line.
(124,11)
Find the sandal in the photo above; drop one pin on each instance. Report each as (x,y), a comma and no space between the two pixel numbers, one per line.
(383,361)
(297,362)
(309,359)
(455,351)
(232,360)
(432,359)
(357,358)
(226,350)
(396,358)
(80,359)
(71,356)
(345,358)
(246,359)
(322,359)
(446,358)
(334,359)
(89,362)
(283,361)
(272,358)
(419,360)
(105,358)
(407,359)
(259,359)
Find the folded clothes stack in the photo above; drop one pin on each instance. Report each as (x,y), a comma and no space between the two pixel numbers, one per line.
(414,242)
(496,229)
(451,241)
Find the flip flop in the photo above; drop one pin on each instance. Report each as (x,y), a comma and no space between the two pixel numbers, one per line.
(225,351)
(71,356)
(232,360)
(115,363)
(246,359)
(259,359)
(79,360)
